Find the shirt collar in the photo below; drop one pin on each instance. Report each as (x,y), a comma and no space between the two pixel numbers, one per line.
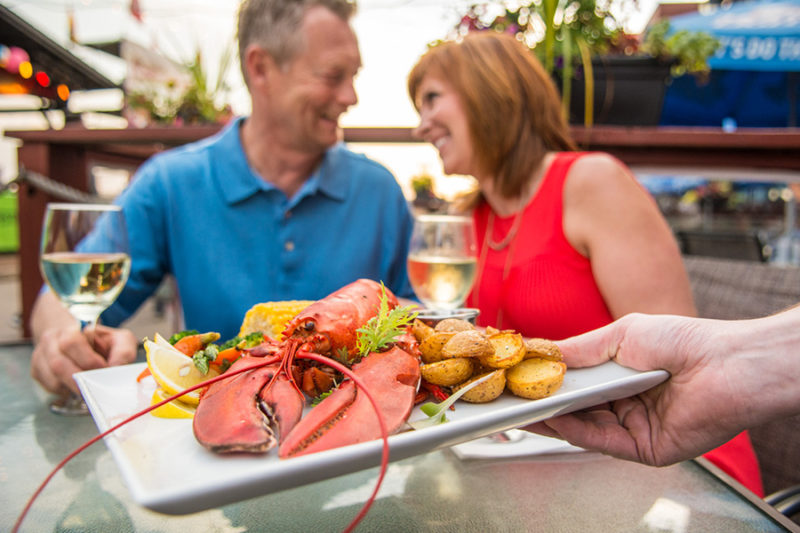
(329,178)
(238,181)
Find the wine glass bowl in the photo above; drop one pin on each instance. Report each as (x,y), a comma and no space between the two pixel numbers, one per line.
(442,260)
(85,261)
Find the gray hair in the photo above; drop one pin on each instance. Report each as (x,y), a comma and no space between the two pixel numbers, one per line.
(274,25)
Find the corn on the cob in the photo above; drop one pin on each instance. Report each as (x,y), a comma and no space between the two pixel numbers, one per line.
(270,318)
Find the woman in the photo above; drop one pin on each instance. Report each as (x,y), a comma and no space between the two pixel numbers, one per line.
(568,241)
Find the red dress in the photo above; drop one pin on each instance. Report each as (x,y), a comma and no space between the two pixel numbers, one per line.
(546,289)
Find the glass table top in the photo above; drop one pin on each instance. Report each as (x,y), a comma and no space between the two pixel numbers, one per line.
(436,492)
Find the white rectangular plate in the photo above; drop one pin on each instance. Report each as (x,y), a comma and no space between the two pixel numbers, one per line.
(168,471)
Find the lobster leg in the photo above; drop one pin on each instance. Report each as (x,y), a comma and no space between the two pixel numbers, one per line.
(316,381)
(242,414)
(347,417)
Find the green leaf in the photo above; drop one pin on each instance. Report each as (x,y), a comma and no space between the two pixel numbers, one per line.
(385,327)
(343,356)
(321,397)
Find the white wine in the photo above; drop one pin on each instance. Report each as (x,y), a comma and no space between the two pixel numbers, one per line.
(441,282)
(86,283)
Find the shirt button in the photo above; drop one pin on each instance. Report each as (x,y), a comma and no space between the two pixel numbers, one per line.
(289,246)
(287,214)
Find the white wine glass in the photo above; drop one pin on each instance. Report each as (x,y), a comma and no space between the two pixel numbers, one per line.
(442,260)
(85,260)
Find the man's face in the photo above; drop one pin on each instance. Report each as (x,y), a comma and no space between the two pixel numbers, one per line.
(309,93)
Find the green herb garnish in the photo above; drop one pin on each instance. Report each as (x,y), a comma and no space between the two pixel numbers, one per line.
(322,396)
(385,327)
(343,356)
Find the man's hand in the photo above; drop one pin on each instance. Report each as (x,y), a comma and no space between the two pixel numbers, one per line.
(60,352)
(698,408)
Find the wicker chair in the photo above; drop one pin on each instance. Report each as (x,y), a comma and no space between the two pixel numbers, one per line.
(733,289)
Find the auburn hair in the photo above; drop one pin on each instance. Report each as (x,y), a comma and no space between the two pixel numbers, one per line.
(513,108)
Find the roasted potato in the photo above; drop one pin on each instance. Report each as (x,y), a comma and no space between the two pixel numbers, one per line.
(468,343)
(542,348)
(491,331)
(535,378)
(421,330)
(509,349)
(455,354)
(453,324)
(479,368)
(431,347)
(448,372)
(486,391)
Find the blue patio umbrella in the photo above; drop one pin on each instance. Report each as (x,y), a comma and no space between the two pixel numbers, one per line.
(761,35)
(755,74)
(754,77)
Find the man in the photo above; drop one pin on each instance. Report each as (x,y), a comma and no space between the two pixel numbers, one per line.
(726,376)
(271,208)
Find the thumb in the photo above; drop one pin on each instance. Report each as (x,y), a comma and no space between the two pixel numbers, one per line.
(123,348)
(592,348)
(117,346)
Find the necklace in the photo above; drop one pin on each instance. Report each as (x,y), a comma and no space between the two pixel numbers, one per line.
(512,232)
(498,246)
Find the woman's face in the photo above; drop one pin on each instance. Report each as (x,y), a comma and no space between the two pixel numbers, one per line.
(443,123)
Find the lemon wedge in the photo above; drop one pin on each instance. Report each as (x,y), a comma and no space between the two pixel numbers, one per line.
(173,409)
(174,371)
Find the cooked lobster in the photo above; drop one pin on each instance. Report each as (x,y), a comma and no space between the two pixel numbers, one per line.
(257,404)
(260,409)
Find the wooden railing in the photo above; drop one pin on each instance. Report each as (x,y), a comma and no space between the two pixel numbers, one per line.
(765,149)
(67,156)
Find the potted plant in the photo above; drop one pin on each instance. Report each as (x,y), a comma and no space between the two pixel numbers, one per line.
(425,199)
(629,83)
(602,71)
(189,101)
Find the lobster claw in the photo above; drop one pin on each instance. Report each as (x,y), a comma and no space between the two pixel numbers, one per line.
(347,416)
(242,414)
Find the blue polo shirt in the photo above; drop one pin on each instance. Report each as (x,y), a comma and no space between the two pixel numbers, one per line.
(233,240)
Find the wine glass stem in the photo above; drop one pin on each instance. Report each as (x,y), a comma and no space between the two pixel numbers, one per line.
(88,326)
(72,404)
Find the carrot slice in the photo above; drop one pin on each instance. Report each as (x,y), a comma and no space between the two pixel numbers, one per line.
(228,354)
(192,343)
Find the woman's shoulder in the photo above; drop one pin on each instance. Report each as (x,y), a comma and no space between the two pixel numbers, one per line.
(600,181)
(598,170)
(597,163)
